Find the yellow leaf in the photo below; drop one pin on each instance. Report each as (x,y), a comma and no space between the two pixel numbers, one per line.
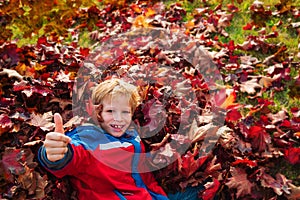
(21,68)
(39,67)
(136,8)
(190,25)
(150,12)
(140,21)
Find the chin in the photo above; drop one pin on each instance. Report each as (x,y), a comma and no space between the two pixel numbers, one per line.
(117,134)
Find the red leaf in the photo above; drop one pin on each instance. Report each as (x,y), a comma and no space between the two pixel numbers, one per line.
(211,189)
(246,162)
(5,123)
(260,138)
(188,164)
(154,113)
(84,51)
(10,163)
(293,155)
(233,115)
(249,26)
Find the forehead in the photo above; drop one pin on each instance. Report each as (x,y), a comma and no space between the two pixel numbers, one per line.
(116,100)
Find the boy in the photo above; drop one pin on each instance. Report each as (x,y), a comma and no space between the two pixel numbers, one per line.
(103,161)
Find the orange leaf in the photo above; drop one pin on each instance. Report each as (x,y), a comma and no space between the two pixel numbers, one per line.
(140,21)
(229,101)
(136,8)
(150,12)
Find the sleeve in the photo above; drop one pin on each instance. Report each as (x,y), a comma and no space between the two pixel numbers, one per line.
(42,157)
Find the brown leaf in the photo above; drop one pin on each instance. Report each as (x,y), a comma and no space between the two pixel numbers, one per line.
(42,121)
(240,181)
(279,185)
(295,192)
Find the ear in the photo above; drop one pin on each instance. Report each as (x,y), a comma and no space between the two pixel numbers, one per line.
(99,109)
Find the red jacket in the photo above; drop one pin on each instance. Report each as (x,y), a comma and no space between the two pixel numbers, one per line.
(102,166)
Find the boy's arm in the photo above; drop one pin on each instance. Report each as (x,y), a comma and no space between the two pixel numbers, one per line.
(56,151)
(54,165)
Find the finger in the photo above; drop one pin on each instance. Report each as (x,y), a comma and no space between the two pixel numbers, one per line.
(56,137)
(58,123)
(56,151)
(55,143)
(55,157)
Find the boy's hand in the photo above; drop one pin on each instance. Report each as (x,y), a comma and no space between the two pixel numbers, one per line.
(56,143)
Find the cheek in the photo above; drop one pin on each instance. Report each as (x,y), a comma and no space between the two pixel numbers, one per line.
(106,117)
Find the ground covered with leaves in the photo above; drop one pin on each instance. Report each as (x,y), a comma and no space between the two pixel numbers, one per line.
(214,113)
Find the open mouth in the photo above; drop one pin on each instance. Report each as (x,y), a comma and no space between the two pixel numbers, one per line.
(117,126)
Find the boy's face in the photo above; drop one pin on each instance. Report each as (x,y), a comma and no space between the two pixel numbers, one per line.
(116,115)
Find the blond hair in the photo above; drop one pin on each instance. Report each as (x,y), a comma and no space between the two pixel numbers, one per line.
(113,87)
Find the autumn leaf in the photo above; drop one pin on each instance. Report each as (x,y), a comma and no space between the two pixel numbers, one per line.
(292,154)
(246,162)
(295,192)
(250,86)
(5,123)
(11,73)
(240,182)
(260,139)
(10,163)
(211,189)
(280,185)
(42,121)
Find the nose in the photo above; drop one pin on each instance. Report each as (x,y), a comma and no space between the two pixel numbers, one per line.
(117,116)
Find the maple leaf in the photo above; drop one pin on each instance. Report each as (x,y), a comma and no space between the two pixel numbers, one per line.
(197,133)
(278,117)
(279,185)
(42,121)
(189,163)
(165,155)
(10,163)
(233,115)
(250,86)
(246,162)
(11,73)
(5,123)
(295,192)
(154,113)
(260,138)
(225,98)
(292,155)
(211,189)
(239,181)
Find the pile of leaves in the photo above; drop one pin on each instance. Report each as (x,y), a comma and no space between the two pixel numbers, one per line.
(209,111)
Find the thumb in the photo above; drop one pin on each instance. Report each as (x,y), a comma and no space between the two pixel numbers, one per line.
(58,123)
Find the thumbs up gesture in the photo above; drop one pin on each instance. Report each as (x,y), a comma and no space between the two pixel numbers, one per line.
(56,143)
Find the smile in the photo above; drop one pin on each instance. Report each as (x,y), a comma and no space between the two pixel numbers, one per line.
(117,126)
